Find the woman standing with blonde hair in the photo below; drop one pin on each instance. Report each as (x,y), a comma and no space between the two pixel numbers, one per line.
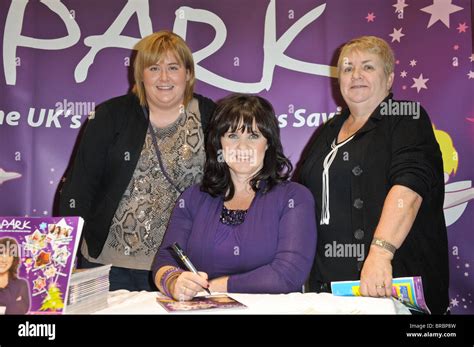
(377,179)
(138,153)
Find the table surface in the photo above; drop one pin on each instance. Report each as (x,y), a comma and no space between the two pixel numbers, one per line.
(125,302)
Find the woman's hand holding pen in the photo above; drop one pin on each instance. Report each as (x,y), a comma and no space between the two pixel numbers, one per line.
(188,284)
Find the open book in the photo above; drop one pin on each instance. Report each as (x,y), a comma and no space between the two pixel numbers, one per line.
(408,290)
(208,302)
(37,255)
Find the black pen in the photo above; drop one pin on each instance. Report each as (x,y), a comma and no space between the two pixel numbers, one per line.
(184,258)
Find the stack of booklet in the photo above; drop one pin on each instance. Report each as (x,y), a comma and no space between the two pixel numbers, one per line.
(88,290)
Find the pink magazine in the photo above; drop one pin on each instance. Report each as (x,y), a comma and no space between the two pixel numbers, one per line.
(210,302)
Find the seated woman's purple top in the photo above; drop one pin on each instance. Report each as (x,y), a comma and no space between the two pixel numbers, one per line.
(272,251)
(15,297)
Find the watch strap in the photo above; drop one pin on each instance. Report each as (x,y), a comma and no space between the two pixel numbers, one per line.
(384,244)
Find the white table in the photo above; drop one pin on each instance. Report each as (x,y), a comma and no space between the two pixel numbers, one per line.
(125,302)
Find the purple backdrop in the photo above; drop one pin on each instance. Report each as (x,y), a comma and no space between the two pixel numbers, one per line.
(61,58)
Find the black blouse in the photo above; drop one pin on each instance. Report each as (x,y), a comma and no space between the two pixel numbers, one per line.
(338,250)
(386,151)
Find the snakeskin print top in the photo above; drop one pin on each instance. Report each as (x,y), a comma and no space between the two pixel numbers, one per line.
(142,216)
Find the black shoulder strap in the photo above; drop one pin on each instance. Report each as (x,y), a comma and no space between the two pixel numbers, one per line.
(206,108)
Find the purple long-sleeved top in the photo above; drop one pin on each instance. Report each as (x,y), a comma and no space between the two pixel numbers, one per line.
(272,251)
(15,297)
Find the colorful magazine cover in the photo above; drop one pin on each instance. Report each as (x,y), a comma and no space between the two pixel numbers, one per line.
(408,290)
(36,259)
(208,302)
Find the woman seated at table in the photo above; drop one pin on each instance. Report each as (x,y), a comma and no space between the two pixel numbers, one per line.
(246,227)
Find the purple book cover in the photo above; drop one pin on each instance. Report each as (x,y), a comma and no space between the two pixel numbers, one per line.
(36,260)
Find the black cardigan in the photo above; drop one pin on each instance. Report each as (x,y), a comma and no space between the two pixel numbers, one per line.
(390,150)
(106,159)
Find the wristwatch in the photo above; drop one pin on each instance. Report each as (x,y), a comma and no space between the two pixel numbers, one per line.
(384,244)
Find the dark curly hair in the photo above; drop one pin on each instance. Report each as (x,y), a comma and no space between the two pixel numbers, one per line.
(11,247)
(243,110)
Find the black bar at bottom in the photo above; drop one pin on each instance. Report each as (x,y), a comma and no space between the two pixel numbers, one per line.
(221,329)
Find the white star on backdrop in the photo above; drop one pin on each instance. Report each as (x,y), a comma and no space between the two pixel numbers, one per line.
(413,62)
(399,6)
(454,302)
(397,34)
(471,58)
(6,176)
(440,10)
(471,74)
(420,83)
(403,74)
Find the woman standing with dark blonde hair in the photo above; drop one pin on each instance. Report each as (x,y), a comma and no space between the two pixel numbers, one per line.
(138,153)
(14,292)
(377,179)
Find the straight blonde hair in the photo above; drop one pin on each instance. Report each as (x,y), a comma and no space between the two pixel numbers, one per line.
(151,49)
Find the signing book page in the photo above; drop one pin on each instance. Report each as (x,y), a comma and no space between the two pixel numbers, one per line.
(209,302)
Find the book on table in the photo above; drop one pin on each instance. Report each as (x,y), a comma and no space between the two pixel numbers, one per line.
(38,253)
(198,303)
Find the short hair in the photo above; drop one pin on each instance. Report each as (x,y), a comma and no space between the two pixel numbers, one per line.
(371,44)
(245,111)
(10,244)
(152,49)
